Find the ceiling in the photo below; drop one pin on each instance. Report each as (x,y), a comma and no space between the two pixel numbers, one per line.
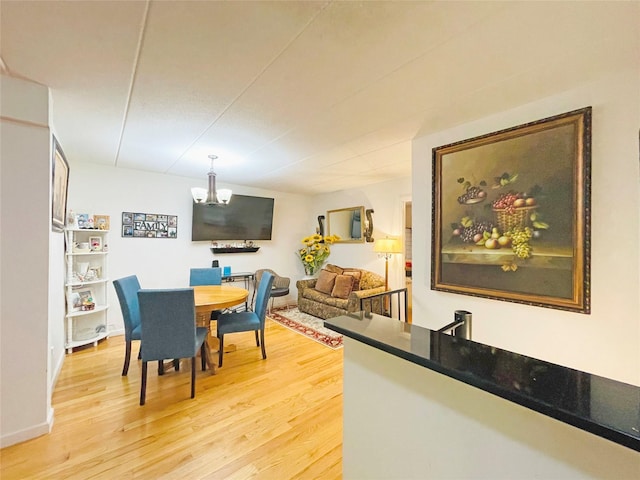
(292,96)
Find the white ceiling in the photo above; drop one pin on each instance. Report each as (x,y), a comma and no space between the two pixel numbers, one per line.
(293,96)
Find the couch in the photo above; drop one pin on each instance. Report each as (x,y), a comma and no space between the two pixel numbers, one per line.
(337,290)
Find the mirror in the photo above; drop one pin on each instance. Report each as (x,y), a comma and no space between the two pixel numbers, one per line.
(347,223)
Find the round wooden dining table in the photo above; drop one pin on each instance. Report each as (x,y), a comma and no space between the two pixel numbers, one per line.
(215,297)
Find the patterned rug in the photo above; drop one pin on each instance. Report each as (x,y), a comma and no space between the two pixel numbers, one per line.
(307,325)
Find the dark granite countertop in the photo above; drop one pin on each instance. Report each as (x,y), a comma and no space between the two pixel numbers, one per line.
(598,405)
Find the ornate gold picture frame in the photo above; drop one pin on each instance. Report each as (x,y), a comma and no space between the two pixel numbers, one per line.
(511,214)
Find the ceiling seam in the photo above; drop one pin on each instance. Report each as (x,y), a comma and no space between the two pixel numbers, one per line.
(3,66)
(250,84)
(357,155)
(143,29)
(371,82)
(5,70)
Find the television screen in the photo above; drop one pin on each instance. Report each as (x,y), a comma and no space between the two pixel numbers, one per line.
(244,218)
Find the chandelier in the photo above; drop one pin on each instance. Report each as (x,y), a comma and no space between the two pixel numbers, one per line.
(211,196)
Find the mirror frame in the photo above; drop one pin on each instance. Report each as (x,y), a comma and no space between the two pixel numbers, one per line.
(334,229)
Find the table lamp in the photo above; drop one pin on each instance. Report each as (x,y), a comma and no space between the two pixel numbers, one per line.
(385,247)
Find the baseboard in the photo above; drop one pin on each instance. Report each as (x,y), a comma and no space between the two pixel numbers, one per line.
(28,433)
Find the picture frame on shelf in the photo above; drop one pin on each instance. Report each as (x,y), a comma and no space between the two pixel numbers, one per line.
(87,300)
(101,222)
(511,215)
(74,301)
(95,272)
(82,221)
(60,186)
(95,244)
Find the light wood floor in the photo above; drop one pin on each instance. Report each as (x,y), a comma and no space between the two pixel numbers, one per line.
(279,418)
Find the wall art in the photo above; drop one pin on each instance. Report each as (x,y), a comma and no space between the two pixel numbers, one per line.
(511,214)
(149,225)
(60,183)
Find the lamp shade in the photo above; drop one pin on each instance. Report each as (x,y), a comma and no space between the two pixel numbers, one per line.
(224,195)
(387,245)
(199,194)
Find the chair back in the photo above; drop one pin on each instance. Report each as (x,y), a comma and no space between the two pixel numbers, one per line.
(205,276)
(278,281)
(168,323)
(262,297)
(127,290)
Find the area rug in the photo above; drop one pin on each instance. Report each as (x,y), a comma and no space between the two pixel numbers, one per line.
(307,325)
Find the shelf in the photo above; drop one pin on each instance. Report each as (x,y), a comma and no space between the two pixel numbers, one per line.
(86,327)
(81,313)
(79,343)
(85,253)
(215,250)
(82,284)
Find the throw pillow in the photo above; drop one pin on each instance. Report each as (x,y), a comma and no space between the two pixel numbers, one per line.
(334,268)
(325,282)
(356,274)
(343,286)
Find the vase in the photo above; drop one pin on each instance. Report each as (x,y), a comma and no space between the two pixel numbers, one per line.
(310,270)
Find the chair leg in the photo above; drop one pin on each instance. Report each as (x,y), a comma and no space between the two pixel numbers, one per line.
(264,353)
(160,367)
(257,339)
(193,377)
(127,356)
(143,386)
(140,352)
(203,356)
(176,364)
(220,349)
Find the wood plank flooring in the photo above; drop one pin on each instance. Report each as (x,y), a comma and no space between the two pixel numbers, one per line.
(279,418)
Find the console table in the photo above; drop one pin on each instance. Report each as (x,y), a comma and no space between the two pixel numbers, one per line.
(246,277)
(461,409)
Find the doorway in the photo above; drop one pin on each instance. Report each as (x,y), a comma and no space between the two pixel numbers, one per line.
(408,280)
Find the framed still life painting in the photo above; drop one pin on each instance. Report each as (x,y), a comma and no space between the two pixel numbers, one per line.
(511,214)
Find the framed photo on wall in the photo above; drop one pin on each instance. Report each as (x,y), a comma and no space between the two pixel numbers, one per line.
(511,214)
(59,187)
(149,225)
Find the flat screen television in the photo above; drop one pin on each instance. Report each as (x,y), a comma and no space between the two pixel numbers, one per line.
(243,218)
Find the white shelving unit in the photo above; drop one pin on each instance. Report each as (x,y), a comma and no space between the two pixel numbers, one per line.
(86,287)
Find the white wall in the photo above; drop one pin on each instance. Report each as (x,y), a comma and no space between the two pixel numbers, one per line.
(607,341)
(99,189)
(387,200)
(26,244)
(404,421)
(165,263)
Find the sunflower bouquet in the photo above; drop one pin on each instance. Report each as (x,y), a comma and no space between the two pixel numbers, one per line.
(315,251)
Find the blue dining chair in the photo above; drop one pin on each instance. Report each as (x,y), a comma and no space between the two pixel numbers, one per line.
(127,290)
(247,321)
(206,276)
(167,318)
